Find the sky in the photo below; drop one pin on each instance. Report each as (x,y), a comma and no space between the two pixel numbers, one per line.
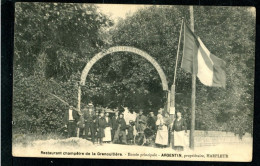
(117,11)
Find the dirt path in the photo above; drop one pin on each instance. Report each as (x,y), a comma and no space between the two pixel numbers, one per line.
(80,148)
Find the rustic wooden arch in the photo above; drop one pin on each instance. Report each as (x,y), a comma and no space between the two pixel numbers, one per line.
(134,50)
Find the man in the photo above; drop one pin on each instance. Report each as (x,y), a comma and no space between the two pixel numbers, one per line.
(168,122)
(114,124)
(81,125)
(151,122)
(120,134)
(90,117)
(140,122)
(70,120)
(101,125)
(153,116)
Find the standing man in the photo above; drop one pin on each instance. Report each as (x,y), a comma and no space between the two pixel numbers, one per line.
(114,124)
(120,134)
(81,125)
(70,120)
(153,116)
(151,122)
(167,120)
(101,125)
(141,122)
(89,117)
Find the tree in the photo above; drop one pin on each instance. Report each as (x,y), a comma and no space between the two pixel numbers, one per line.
(227,32)
(53,42)
(67,33)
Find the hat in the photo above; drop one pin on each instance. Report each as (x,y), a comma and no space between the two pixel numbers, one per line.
(131,122)
(90,104)
(160,110)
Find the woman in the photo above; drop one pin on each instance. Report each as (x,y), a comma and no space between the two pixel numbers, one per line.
(162,131)
(108,129)
(179,126)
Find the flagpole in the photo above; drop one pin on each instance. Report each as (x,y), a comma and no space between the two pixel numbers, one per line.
(175,70)
(172,92)
(193,94)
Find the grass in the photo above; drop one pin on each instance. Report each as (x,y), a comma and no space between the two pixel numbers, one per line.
(29,138)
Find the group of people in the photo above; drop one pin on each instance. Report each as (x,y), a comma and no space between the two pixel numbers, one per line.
(149,130)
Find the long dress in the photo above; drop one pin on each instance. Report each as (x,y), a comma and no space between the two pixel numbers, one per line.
(162,132)
(179,128)
(107,130)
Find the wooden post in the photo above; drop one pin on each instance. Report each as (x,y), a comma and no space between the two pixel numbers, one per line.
(173,95)
(172,92)
(193,94)
(79,96)
(175,70)
(79,100)
(168,101)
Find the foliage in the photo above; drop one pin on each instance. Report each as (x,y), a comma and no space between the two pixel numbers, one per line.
(54,41)
(67,33)
(229,35)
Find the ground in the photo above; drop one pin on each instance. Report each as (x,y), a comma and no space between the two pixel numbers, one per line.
(229,149)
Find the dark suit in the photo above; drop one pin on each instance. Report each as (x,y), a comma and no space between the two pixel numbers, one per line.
(90,118)
(108,123)
(114,126)
(151,124)
(101,125)
(81,126)
(120,133)
(71,124)
(140,123)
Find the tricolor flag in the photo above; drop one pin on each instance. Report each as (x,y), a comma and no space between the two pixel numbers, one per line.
(209,69)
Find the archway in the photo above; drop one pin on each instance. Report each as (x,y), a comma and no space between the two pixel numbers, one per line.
(134,50)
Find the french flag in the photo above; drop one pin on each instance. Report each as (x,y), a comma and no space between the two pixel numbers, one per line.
(196,57)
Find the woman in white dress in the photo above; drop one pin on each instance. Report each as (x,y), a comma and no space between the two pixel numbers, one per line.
(162,131)
(108,129)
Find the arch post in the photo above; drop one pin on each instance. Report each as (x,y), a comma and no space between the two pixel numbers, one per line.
(79,96)
(168,101)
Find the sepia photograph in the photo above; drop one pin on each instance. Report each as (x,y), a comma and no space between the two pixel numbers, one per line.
(138,82)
